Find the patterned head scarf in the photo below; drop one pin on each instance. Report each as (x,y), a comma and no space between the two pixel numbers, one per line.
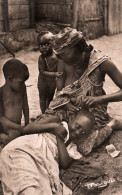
(68,37)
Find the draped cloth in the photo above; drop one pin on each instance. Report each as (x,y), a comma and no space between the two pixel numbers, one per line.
(89,84)
(31,161)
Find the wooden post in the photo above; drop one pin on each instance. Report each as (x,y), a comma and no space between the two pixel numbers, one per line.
(105,20)
(32,13)
(6,19)
(75,13)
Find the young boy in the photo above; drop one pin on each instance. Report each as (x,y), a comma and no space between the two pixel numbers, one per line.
(47,65)
(13,100)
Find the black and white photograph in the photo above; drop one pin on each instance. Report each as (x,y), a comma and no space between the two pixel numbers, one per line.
(60,97)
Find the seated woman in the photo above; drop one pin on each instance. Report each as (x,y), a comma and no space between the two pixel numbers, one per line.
(81,84)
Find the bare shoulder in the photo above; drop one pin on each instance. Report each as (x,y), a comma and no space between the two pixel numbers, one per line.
(1,91)
(109,67)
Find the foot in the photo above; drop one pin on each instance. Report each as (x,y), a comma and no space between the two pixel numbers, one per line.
(115,124)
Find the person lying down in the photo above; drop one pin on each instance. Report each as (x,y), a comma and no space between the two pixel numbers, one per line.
(30,164)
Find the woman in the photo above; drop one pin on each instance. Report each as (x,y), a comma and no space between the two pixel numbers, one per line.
(81,84)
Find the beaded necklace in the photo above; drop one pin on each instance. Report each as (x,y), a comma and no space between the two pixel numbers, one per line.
(48,65)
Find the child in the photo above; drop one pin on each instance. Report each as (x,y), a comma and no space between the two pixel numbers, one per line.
(13,100)
(79,130)
(38,156)
(47,65)
(81,125)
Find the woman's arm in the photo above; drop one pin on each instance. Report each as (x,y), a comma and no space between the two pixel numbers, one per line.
(112,71)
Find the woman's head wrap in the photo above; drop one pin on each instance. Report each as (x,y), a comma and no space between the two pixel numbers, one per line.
(68,37)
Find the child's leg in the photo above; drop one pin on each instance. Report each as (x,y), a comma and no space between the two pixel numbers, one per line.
(52,88)
(43,90)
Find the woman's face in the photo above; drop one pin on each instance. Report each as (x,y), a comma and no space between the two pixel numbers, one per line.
(70,55)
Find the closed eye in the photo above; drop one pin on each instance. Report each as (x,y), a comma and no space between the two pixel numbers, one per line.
(77,126)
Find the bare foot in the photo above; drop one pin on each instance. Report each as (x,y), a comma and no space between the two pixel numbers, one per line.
(115,124)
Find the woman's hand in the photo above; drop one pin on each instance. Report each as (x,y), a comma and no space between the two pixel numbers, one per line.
(71,107)
(59,93)
(92,100)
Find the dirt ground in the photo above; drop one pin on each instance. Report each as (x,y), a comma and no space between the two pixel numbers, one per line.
(113,47)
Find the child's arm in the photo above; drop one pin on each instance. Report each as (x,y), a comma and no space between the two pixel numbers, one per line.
(41,65)
(49,119)
(25,107)
(11,134)
(60,80)
(34,128)
(64,159)
(5,121)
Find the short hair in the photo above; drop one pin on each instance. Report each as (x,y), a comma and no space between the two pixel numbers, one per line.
(43,33)
(15,68)
(88,114)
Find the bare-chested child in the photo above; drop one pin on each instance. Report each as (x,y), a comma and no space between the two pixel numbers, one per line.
(47,65)
(13,100)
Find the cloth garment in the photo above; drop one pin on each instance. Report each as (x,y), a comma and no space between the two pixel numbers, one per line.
(80,173)
(29,165)
(66,37)
(89,84)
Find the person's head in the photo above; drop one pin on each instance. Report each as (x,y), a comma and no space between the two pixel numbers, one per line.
(16,73)
(81,125)
(45,40)
(69,45)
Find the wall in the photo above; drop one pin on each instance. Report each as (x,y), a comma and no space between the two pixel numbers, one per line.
(16,14)
(1,15)
(114,17)
(54,10)
(89,17)
(84,15)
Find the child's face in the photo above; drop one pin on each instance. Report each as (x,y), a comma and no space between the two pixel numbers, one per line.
(17,84)
(79,127)
(45,44)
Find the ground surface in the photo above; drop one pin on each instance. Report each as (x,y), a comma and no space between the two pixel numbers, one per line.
(113,47)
